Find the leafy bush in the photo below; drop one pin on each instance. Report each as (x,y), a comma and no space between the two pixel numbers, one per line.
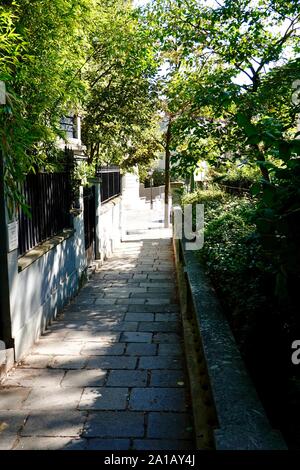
(278,228)
(228,246)
(232,256)
(158,179)
(211,197)
(242,177)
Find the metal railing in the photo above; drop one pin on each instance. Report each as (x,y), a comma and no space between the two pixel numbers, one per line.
(89,215)
(110,182)
(48,196)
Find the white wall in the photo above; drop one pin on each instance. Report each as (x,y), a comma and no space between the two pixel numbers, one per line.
(41,290)
(130,189)
(108,228)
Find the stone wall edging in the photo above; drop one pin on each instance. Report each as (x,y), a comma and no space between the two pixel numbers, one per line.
(242,420)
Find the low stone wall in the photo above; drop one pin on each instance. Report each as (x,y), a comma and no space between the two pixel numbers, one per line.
(157,191)
(43,281)
(235,414)
(40,288)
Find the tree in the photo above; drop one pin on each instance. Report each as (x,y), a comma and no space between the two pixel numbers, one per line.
(218,46)
(42,74)
(122,102)
(175,59)
(74,56)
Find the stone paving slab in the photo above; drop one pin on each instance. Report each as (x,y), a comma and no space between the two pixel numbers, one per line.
(54,423)
(153,295)
(117,295)
(161,291)
(46,443)
(158,285)
(7,442)
(33,361)
(166,317)
(111,444)
(169,425)
(112,362)
(34,378)
(104,398)
(124,326)
(167,349)
(10,425)
(103,349)
(157,301)
(65,348)
(167,308)
(108,374)
(161,444)
(131,301)
(12,398)
(132,337)
(160,362)
(89,335)
(84,378)
(62,398)
(115,424)
(139,317)
(141,349)
(158,326)
(129,378)
(157,399)
(167,378)
(68,362)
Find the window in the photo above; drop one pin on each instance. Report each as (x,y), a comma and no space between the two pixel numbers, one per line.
(69,125)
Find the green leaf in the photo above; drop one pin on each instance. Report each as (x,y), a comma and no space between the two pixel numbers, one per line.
(256,189)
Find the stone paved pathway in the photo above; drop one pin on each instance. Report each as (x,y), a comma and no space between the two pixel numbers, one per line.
(109,374)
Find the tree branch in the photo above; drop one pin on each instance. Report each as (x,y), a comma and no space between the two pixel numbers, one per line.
(102,75)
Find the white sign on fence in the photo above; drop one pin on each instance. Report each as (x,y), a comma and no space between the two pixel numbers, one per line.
(12,235)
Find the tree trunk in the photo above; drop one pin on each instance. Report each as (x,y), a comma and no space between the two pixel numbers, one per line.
(192,188)
(264,171)
(167,173)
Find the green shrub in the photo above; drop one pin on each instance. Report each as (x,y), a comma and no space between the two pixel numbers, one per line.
(217,203)
(243,176)
(231,254)
(210,196)
(158,177)
(228,229)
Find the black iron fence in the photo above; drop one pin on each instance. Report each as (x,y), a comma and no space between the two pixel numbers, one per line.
(110,182)
(48,196)
(89,216)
